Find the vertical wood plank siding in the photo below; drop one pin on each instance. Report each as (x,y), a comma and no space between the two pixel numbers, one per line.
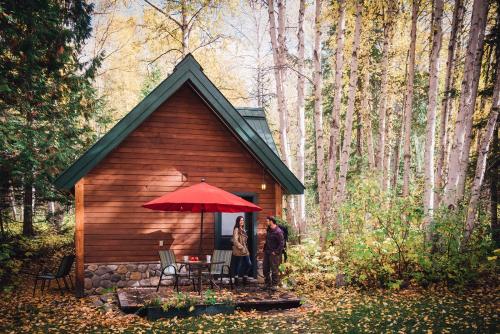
(176,146)
(79,236)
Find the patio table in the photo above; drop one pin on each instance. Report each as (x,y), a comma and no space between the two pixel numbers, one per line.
(198,266)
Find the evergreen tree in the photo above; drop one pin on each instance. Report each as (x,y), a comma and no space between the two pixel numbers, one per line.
(47,102)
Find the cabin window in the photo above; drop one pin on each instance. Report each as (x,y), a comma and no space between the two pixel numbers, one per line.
(228,220)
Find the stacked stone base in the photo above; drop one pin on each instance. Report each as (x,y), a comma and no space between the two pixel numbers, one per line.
(103,276)
(99,277)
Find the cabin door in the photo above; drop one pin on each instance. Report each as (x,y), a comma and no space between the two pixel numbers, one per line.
(224,225)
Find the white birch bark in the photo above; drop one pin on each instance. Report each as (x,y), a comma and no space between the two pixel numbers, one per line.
(318,123)
(383,100)
(437,34)
(337,95)
(366,112)
(278,58)
(446,103)
(482,157)
(353,80)
(301,205)
(408,107)
(467,100)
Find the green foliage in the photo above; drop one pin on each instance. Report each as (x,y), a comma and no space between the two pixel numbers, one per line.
(47,103)
(179,300)
(42,252)
(382,244)
(209,297)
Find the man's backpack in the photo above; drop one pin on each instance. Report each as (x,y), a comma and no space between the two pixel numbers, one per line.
(285,232)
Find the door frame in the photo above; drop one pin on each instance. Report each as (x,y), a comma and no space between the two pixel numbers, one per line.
(253,254)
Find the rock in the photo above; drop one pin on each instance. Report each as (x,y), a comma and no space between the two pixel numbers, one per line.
(145,282)
(96,282)
(142,268)
(87,284)
(102,270)
(145,275)
(106,283)
(121,284)
(92,267)
(135,276)
(115,278)
(88,274)
(99,290)
(340,280)
(122,269)
(152,273)
(154,280)
(112,267)
(154,266)
(133,283)
(131,267)
(106,276)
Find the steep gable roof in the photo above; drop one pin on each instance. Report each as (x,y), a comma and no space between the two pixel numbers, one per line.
(257,120)
(187,71)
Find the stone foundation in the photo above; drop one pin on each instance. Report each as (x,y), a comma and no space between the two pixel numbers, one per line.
(101,276)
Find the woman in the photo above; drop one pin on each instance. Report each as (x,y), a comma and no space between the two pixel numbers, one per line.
(240,250)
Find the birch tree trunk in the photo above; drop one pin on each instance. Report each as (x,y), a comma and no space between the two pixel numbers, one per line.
(368,119)
(437,34)
(353,81)
(278,58)
(337,96)
(383,96)
(301,205)
(467,101)
(408,106)
(446,103)
(318,123)
(482,155)
(494,176)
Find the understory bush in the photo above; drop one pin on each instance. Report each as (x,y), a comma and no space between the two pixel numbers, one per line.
(382,244)
(20,254)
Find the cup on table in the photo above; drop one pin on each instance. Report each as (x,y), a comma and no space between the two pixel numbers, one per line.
(186,258)
(209,258)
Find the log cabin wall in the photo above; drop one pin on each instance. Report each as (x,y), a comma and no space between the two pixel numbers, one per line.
(180,143)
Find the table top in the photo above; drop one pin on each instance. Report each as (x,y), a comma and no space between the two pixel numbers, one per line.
(201,262)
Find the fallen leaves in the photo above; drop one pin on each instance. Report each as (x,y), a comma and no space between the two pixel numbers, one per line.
(328,310)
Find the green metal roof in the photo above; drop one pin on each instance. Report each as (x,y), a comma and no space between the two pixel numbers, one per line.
(257,120)
(189,71)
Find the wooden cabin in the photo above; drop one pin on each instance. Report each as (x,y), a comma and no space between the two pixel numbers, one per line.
(183,131)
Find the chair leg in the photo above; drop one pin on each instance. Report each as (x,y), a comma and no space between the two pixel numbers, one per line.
(42,288)
(230,281)
(159,282)
(71,282)
(34,288)
(65,283)
(176,283)
(59,286)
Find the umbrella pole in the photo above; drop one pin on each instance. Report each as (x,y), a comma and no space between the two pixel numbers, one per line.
(201,234)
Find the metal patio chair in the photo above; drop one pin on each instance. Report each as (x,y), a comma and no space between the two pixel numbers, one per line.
(62,272)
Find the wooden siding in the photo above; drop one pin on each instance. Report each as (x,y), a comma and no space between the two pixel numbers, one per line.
(183,136)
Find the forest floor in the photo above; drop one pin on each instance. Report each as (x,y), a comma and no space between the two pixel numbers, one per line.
(326,310)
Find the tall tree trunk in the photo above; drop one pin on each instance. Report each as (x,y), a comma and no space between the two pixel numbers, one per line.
(408,106)
(301,204)
(367,118)
(278,77)
(184,29)
(494,177)
(353,83)
(382,112)
(318,123)
(437,35)
(482,155)
(468,94)
(337,102)
(28,209)
(397,149)
(447,102)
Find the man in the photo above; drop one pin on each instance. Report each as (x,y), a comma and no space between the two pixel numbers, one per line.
(273,249)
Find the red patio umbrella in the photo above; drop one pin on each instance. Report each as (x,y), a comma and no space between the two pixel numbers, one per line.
(201,197)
